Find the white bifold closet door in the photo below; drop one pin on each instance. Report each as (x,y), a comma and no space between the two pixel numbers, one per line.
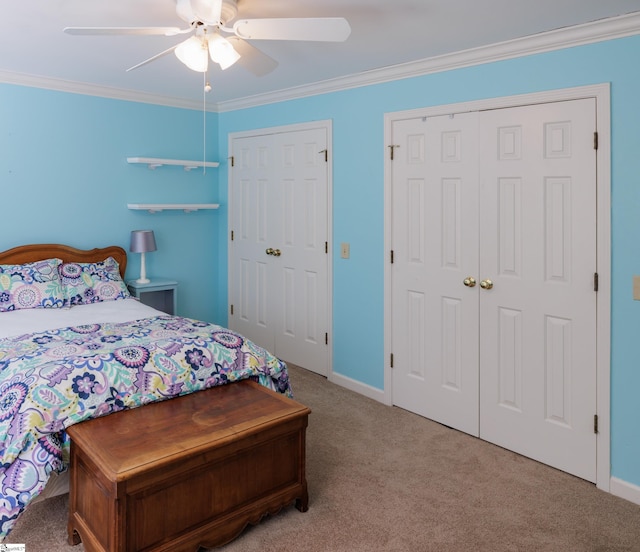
(493,301)
(278,262)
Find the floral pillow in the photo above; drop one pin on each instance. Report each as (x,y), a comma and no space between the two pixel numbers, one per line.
(31,286)
(85,283)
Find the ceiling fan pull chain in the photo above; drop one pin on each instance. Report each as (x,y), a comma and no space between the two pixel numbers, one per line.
(204,123)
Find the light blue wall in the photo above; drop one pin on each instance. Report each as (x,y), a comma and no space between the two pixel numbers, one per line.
(358,187)
(64,179)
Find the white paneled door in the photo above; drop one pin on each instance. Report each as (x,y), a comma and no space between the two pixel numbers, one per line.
(278,259)
(493,299)
(435,245)
(538,246)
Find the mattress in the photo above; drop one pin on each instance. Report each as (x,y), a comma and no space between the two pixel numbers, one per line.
(26,321)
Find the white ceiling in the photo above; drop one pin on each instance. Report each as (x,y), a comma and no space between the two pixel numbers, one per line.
(384,33)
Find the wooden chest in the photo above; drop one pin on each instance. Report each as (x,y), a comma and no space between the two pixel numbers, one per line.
(187,472)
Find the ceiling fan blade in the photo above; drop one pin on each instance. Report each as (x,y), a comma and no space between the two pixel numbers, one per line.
(326,29)
(164,53)
(252,59)
(166,31)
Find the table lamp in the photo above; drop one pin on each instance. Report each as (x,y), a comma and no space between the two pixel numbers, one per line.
(142,241)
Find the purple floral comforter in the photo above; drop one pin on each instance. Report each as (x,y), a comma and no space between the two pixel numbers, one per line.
(53,379)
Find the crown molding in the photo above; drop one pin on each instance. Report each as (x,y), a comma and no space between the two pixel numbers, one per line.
(578,35)
(74,87)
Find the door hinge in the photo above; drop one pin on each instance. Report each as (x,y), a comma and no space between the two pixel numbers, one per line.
(231,309)
(233,161)
(595,281)
(231,235)
(391,256)
(391,150)
(595,423)
(595,140)
(391,360)
(326,247)
(326,338)
(326,155)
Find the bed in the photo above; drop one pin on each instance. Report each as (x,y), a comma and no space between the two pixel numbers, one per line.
(74,345)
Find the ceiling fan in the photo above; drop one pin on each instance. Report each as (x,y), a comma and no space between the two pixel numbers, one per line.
(212,37)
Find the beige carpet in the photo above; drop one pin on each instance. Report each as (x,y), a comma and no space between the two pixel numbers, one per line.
(382,479)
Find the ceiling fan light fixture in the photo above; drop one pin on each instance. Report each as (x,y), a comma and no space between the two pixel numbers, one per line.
(193,53)
(222,51)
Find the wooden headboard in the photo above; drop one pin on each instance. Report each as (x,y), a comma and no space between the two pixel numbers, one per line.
(37,252)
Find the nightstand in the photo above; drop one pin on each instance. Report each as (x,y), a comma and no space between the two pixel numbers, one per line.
(160,294)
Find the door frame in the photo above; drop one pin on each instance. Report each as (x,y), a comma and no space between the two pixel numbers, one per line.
(326,125)
(602,95)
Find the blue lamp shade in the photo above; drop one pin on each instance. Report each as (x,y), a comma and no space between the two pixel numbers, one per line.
(142,241)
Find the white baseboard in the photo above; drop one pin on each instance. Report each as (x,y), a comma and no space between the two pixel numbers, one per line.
(625,490)
(357,387)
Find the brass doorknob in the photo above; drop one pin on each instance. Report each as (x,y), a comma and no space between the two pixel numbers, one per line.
(276,253)
(469,281)
(486,284)
(269,251)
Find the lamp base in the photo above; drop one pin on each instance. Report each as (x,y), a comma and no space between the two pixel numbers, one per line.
(143,271)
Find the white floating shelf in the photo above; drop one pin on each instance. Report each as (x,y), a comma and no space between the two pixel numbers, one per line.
(158,207)
(153,162)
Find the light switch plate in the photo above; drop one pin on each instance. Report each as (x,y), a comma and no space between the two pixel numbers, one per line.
(636,288)
(344,250)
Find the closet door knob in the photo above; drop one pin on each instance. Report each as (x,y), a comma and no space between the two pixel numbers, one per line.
(269,251)
(276,253)
(486,284)
(469,281)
